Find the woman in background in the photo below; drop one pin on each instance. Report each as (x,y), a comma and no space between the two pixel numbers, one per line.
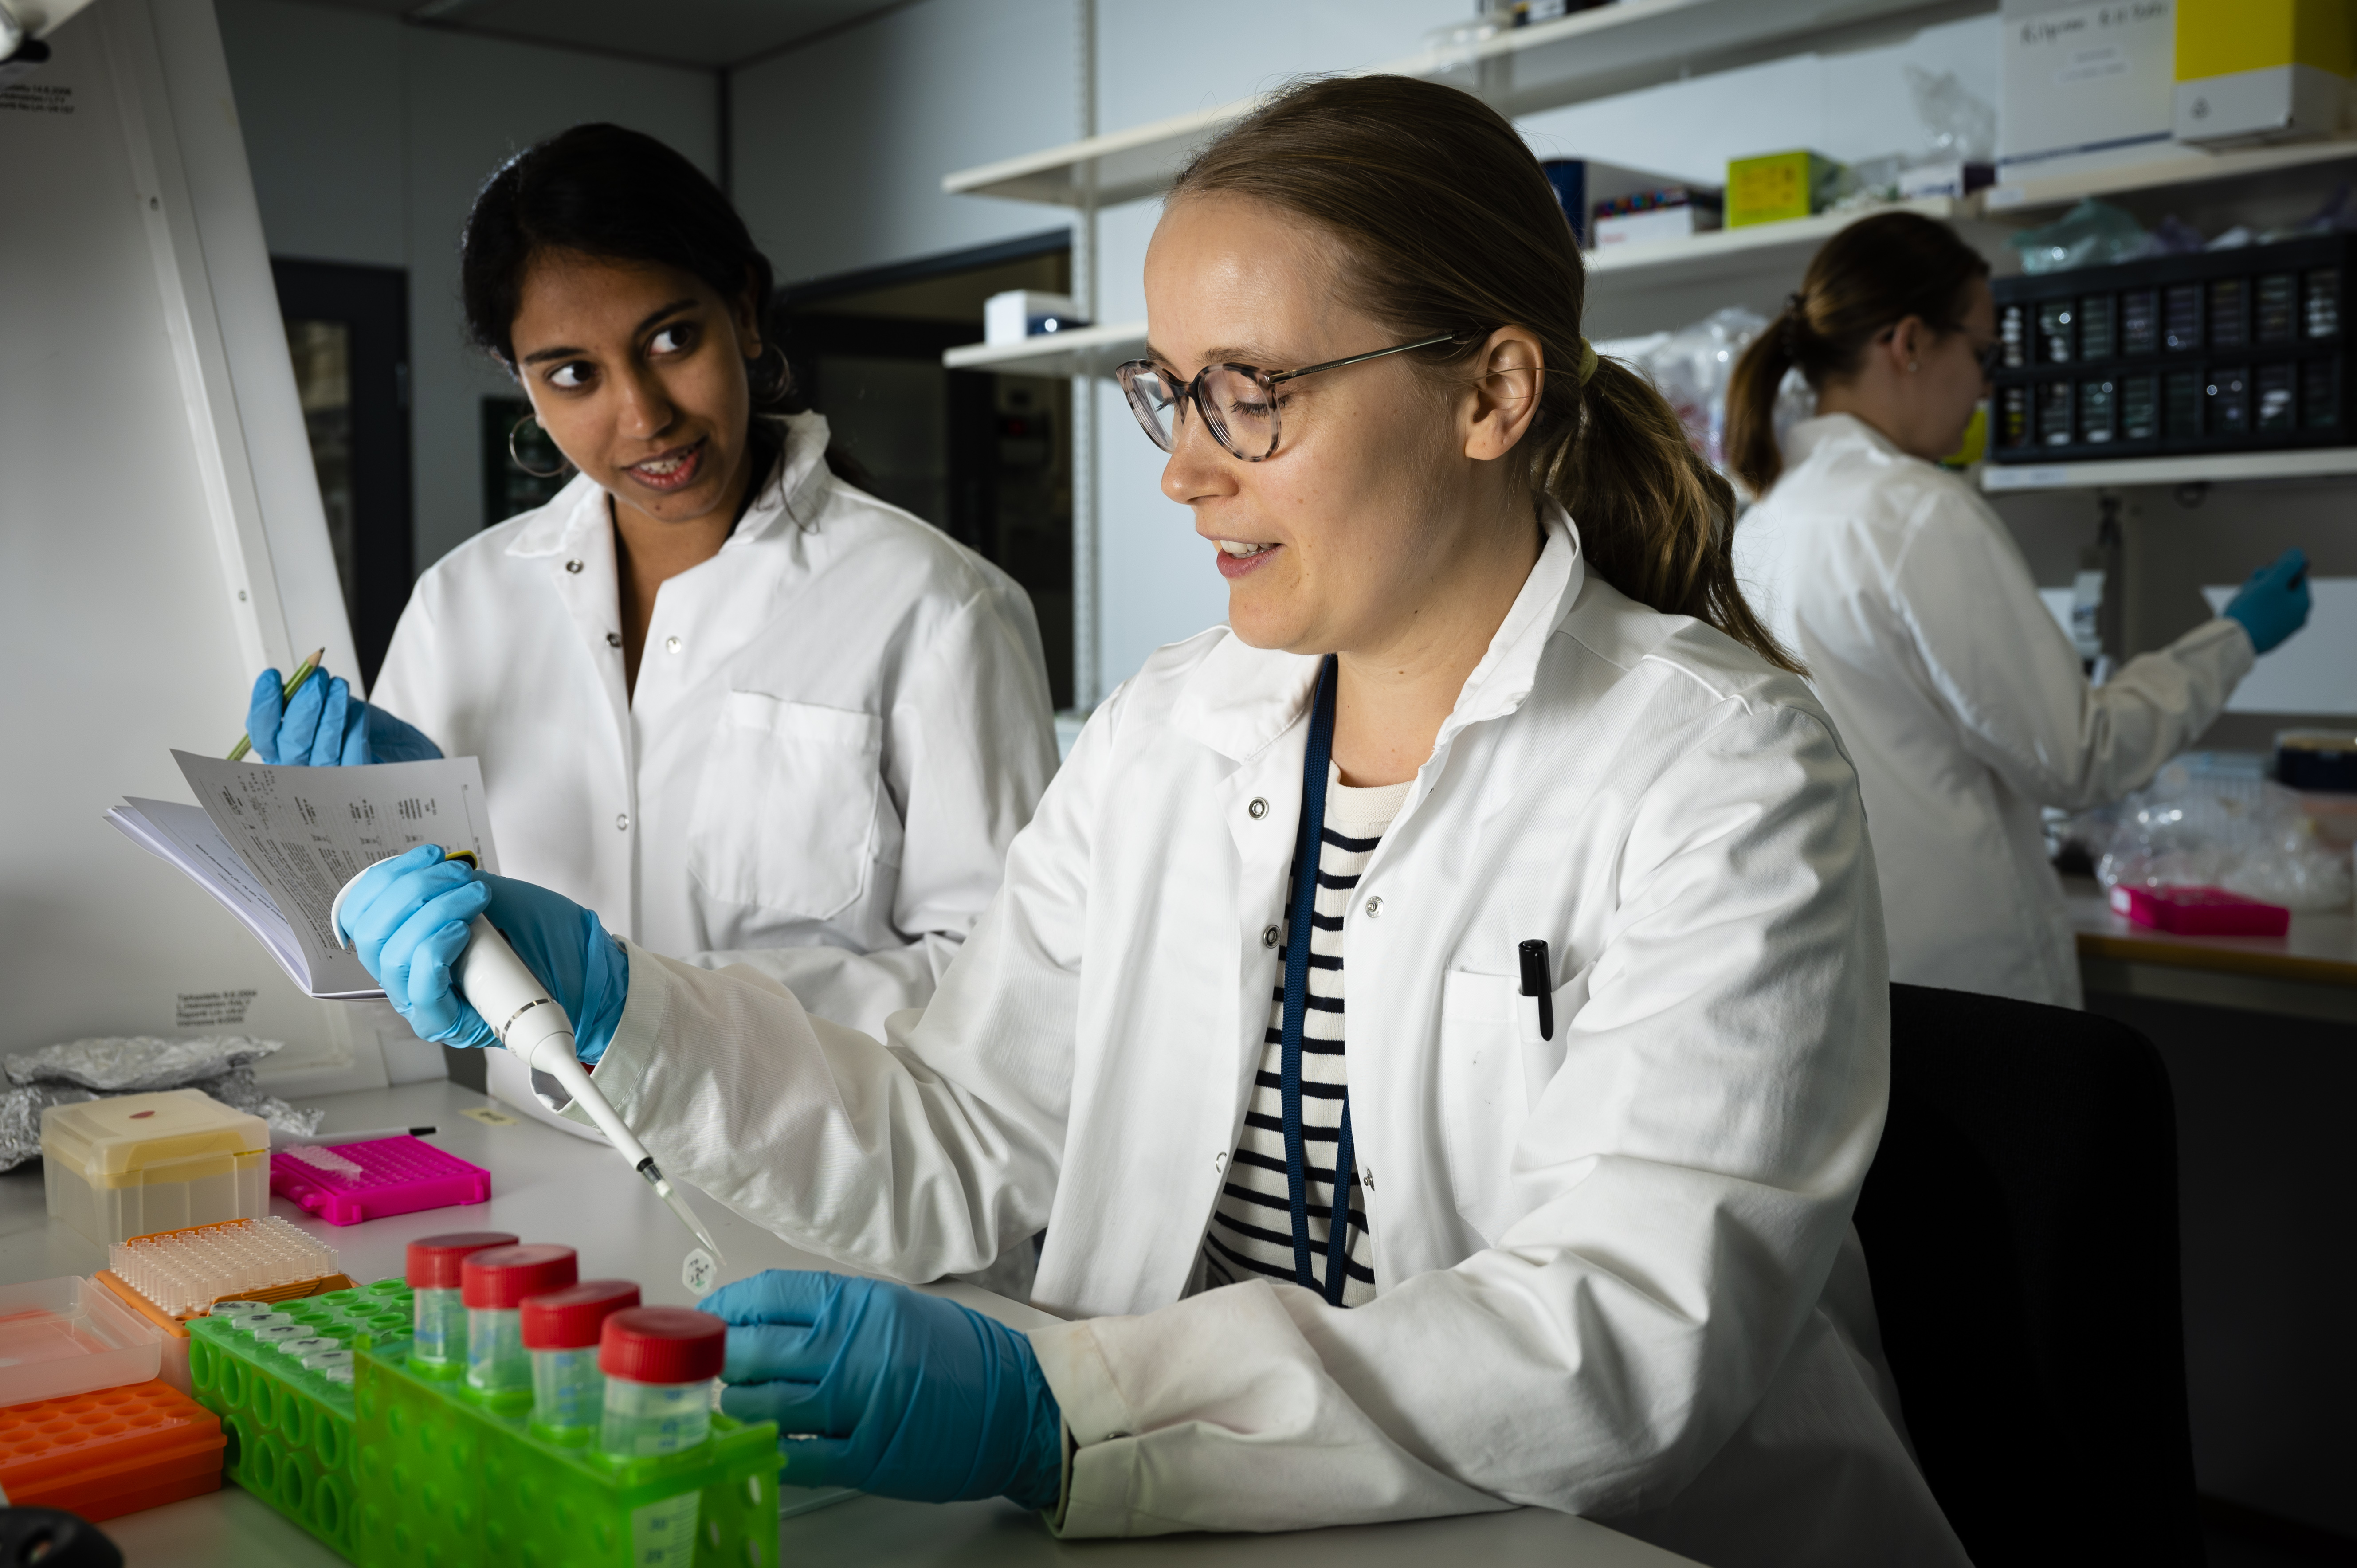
(1959,699)
(745,710)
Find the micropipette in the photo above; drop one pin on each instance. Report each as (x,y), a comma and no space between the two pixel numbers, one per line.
(532,1025)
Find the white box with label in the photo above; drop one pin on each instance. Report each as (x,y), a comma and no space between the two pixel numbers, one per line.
(2082,85)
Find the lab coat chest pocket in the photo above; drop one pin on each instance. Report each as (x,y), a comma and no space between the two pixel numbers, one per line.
(1495,1067)
(786,815)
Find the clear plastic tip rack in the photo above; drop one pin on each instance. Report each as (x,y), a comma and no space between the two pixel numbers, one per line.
(185,1272)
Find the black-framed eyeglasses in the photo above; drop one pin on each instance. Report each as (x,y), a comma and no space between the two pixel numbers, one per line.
(1992,359)
(1238,403)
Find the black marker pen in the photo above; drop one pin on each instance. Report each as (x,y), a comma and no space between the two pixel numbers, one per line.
(1537,989)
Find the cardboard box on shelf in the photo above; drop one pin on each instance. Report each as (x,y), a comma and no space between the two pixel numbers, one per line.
(2262,70)
(2084,85)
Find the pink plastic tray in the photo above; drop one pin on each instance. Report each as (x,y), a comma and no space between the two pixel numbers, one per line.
(2201,911)
(344,1184)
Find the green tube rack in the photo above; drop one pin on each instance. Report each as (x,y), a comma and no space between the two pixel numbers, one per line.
(448,1479)
(290,1432)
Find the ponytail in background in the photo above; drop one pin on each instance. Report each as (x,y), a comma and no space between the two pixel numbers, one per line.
(1451,228)
(1866,279)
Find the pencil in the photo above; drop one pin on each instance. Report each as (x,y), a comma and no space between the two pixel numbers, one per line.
(294,683)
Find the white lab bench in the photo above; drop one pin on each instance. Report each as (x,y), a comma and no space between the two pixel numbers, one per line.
(547,1187)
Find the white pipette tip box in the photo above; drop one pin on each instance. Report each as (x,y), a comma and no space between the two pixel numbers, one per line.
(137,1163)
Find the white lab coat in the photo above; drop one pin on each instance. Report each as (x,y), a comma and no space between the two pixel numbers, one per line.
(841,720)
(1960,700)
(1617,1270)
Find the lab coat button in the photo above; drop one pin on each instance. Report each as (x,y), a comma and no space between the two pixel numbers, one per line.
(1374,907)
(1219,1162)
(574,567)
(613,639)
(1258,808)
(1268,936)
(670,645)
(622,821)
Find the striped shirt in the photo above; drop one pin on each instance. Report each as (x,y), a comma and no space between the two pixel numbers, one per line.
(1251,1231)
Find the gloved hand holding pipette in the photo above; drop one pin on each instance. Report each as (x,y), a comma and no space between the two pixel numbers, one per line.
(422,926)
(889,1389)
(407,918)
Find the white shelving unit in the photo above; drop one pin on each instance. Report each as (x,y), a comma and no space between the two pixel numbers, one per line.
(2203,468)
(2175,165)
(1726,252)
(1522,70)
(1086,351)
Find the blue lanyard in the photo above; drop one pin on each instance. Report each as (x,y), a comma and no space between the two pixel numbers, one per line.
(1314,764)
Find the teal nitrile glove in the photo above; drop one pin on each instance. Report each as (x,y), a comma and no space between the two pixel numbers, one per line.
(887,1390)
(324,725)
(2274,600)
(407,918)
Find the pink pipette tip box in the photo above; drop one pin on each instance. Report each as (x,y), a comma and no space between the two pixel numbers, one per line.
(2200,911)
(344,1184)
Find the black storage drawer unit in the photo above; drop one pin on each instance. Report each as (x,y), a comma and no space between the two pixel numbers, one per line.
(2235,350)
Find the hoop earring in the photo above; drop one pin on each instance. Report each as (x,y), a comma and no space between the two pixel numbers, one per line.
(766,387)
(517,457)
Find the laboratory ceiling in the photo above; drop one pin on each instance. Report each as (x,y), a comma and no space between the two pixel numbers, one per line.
(709,33)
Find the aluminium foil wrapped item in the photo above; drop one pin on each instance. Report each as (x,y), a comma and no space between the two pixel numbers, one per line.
(219,1064)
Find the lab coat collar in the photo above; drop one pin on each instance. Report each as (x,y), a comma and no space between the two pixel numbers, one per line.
(1242,698)
(795,493)
(1827,428)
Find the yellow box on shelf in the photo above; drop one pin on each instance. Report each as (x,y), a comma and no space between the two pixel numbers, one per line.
(2262,70)
(1777,185)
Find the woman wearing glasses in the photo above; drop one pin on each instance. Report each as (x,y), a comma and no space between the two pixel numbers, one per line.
(721,696)
(1959,699)
(1438,1018)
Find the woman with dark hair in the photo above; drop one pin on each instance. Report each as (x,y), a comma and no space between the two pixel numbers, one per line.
(1549,1204)
(747,711)
(1960,701)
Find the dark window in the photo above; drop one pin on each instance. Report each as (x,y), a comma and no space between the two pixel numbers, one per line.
(2054,335)
(2228,393)
(2228,330)
(2095,336)
(2273,384)
(2095,411)
(347,335)
(2054,413)
(2181,321)
(2139,322)
(2275,318)
(2181,402)
(2320,315)
(2319,395)
(2138,416)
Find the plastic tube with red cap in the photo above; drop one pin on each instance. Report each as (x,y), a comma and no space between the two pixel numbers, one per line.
(439,1314)
(659,1362)
(560,1330)
(495,1284)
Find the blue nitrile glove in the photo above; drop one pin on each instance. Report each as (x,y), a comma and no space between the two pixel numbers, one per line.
(2274,600)
(407,917)
(326,727)
(887,1390)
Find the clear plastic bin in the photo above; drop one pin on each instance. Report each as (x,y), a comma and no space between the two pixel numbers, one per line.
(70,1336)
(138,1164)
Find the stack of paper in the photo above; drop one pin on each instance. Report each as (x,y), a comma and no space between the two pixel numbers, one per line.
(273,845)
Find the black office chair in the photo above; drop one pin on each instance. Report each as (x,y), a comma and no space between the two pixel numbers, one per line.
(2020,1227)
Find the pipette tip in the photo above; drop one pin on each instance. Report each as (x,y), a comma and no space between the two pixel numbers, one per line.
(678,1205)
